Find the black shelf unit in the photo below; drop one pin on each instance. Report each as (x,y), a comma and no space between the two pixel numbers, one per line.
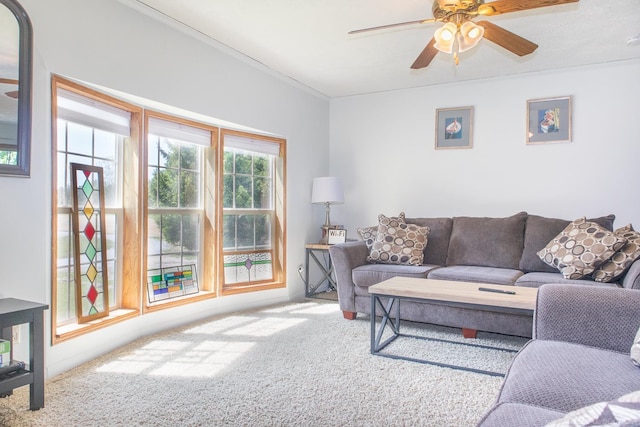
(13,312)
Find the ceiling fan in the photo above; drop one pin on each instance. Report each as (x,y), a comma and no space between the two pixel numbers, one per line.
(459,33)
(12,93)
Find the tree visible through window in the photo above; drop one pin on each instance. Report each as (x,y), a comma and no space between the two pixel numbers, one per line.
(179,196)
(249,214)
(174,202)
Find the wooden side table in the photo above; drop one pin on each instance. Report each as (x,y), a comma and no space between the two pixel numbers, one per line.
(16,312)
(325,265)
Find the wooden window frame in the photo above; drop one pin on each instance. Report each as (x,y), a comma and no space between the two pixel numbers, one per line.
(129,305)
(279,221)
(134,216)
(206,279)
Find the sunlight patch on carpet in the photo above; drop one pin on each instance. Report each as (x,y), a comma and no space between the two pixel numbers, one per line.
(217,326)
(175,359)
(290,308)
(206,360)
(266,327)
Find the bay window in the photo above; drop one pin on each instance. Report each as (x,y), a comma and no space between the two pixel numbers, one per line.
(191,211)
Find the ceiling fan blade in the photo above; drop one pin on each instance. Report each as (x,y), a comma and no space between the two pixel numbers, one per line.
(504,6)
(420,21)
(426,56)
(508,40)
(8,81)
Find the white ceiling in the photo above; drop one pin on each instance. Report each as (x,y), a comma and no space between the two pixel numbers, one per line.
(307,40)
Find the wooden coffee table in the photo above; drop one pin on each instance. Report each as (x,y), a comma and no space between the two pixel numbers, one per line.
(503,299)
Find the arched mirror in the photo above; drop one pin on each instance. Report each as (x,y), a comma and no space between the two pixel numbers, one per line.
(15,89)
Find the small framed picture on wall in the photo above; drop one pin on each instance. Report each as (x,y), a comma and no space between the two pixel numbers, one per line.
(549,120)
(454,127)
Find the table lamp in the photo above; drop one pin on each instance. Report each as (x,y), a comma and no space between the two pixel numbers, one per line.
(327,190)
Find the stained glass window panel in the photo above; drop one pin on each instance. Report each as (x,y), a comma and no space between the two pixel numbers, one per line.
(243,268)
(91,271)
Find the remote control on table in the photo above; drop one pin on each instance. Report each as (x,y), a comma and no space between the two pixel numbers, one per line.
(499,291)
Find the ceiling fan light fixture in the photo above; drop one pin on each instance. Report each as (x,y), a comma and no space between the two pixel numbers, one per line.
(469,36)
(445,37)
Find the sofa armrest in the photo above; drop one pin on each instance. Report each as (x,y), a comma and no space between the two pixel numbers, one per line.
(631,279)
(345,257)
(596,316)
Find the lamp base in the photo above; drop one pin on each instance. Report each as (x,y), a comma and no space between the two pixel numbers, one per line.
(325,235)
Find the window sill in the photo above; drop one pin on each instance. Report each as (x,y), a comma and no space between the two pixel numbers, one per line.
(178,301)
(73,330)
(252,287)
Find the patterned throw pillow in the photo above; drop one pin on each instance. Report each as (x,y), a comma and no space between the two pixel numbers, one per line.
(398,243)
(581,248)
(615,267)
(624,411)
(368,234)
(635,350)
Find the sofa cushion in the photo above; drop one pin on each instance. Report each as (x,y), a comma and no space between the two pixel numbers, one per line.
(488,242)
(618,264)
(368,234)
(475,274)
(370,274)
(535,280)
(567,376)
(623,411)
(581,248)
(436,251)
(398,243)
(539,231)
(517,414)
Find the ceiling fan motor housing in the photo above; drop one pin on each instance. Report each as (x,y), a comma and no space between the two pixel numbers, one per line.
(455,11)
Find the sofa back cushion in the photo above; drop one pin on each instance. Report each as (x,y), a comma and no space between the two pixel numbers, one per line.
(538,233)
(489,242)
(436,251)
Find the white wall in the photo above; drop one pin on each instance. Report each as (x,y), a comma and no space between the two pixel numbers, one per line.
(112,45)
(382,145)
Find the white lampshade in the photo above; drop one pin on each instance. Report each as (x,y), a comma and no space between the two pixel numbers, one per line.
(327,189)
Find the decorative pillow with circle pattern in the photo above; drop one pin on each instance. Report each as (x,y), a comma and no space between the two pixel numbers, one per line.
(623,411)
(398,243)
(618,264)
(368,234)
(581,248)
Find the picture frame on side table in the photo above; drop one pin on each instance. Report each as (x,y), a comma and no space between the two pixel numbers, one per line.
(454,128)
(549,120)
(337,236)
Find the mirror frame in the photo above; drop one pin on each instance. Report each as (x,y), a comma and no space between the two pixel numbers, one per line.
(25,64)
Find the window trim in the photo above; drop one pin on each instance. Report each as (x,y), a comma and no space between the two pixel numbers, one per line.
(131,206)
(279,228)
(206,277)
(134,212)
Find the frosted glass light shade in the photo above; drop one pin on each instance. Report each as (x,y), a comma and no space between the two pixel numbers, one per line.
(469,36)
(327,189)
(445,36)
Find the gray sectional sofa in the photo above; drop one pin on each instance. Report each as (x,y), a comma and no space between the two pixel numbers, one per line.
(472,249)
(580,356)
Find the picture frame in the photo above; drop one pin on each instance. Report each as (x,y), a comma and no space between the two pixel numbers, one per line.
(337,236)
(549,120)
(454,128)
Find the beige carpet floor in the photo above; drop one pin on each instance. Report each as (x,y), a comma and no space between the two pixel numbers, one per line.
(297,364)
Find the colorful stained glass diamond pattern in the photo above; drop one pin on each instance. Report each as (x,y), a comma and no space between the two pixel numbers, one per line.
(91,251)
